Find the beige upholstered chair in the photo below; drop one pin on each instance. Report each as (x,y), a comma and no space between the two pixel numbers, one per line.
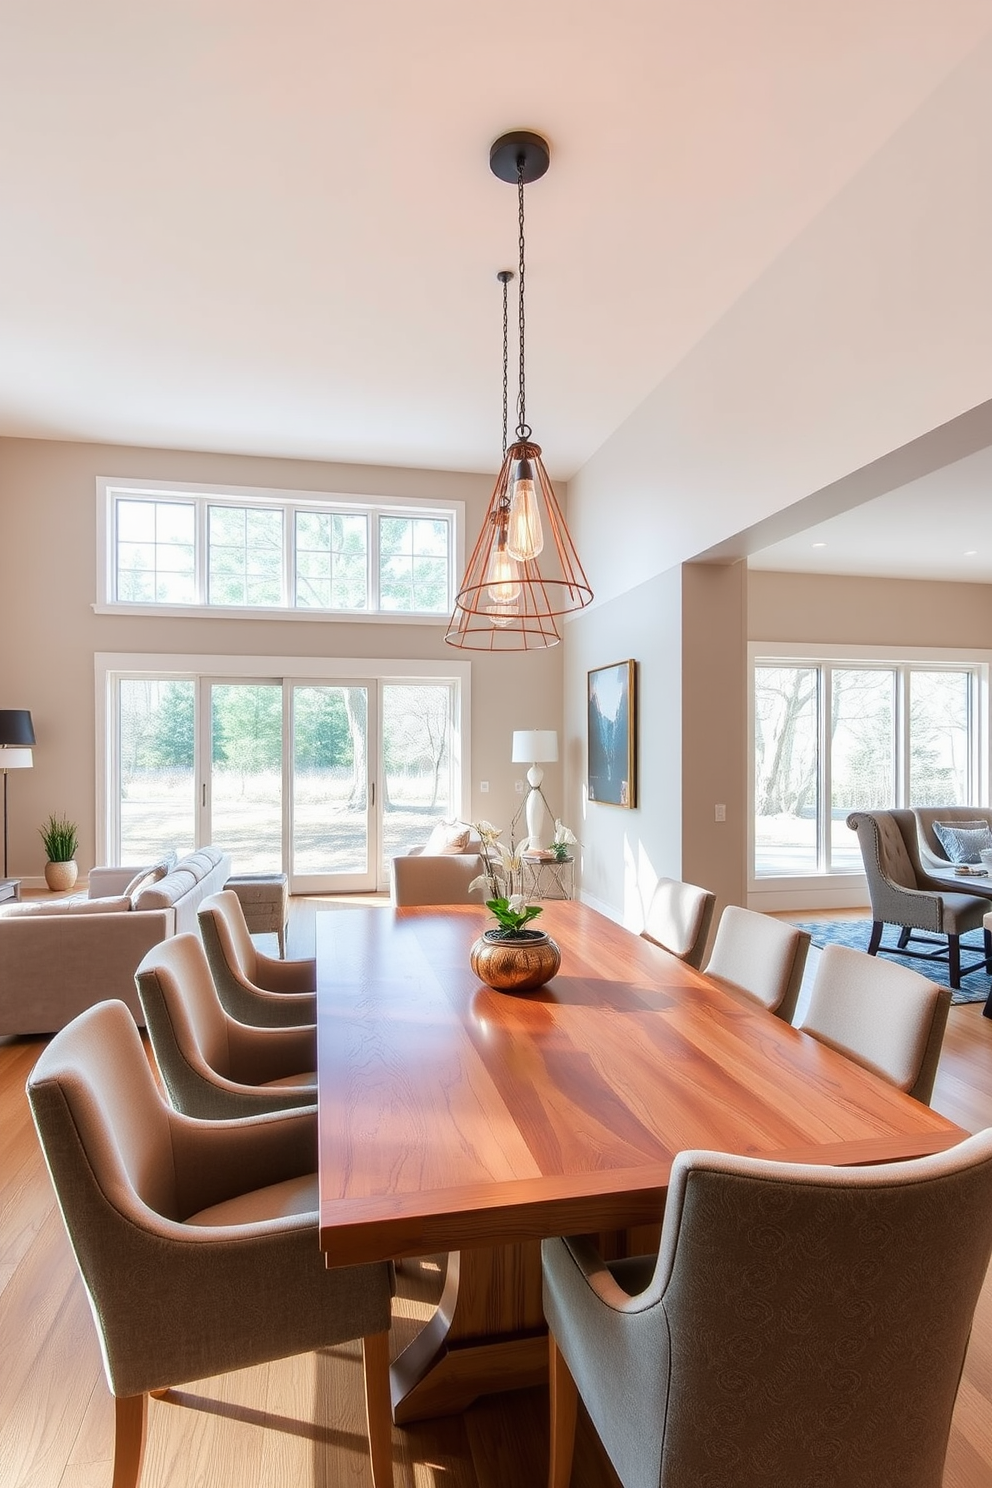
(678,919)
(252,987)
(441,879)
(179,1227)
(904,893)
(213,1066)
(883,1016)
(799,1324)
(759,958)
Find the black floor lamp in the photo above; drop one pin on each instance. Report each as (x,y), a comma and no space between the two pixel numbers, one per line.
(16,739)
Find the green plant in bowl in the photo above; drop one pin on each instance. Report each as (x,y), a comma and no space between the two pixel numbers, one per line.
(61,838)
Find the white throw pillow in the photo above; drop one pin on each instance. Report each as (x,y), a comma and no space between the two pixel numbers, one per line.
(447,837)
(145,877)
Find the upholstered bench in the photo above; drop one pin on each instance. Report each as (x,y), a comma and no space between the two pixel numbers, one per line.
(264,899)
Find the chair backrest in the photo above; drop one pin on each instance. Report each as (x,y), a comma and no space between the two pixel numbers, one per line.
(225,936)
(884,838)
(880,1014)
(104,1129)
(932,850)
(678,919)
(816,1315)
(761,957)
(440,879)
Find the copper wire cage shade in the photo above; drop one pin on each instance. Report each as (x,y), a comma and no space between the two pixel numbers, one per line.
(507,603)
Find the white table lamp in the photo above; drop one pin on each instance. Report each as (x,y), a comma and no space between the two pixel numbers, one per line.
(540,746)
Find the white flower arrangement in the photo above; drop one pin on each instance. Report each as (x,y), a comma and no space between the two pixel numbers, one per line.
(503,879)
(563,839)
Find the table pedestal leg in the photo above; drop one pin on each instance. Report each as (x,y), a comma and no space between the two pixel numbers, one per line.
(488,1334)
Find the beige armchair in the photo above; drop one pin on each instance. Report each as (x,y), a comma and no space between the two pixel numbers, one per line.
(883,1016)
(442,879)
(800,1324)
(759,959)
(180,1229)
(678,919)
(252,987)
(213,1066)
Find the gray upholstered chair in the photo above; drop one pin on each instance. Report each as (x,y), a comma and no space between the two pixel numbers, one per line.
(197,1241)
(213,1066)
(252,987)
(759,959)
(799,1324)
(903,893)
(440,879)
(883,1016)
(678,919)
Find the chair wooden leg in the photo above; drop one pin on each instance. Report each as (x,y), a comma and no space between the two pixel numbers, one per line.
(904,935)
(876,936)
(954,960)
(130,1429)
(987,937)
(564,1412)
(378,1408)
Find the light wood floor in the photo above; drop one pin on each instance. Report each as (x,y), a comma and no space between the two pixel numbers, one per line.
(300,1422)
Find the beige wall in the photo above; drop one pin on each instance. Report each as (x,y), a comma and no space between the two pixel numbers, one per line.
(834,609)
(714,729)
(48,584)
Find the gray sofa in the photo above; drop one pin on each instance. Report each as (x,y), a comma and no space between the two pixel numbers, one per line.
(58,957)
(933,854)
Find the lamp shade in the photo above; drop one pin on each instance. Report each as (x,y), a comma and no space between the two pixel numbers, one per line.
(535,746)
(16,726)
(16,759)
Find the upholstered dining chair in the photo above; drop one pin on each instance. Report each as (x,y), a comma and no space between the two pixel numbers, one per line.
(798,1324)
(197,1241)
(253,987)
(440,879)
(883,1016)
(678,919)
(212,1066)
(759,959)
(903,893)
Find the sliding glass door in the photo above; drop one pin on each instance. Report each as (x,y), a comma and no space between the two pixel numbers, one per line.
(323,778)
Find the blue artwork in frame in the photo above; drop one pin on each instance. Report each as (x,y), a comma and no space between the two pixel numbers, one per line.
(612,779)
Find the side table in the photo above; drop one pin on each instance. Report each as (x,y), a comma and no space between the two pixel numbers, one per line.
(265,901)
(548,878)
(10,890)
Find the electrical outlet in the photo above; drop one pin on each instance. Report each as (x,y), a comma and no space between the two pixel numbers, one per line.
(518,786)
(720,813)
(484,787)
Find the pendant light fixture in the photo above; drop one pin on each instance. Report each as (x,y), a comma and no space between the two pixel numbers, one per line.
(524,571)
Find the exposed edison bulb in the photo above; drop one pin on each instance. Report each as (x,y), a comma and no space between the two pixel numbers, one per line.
(524,533)
(502,576)
(502,615)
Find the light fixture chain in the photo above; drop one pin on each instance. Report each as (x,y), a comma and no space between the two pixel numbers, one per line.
(505,277)
(522,429)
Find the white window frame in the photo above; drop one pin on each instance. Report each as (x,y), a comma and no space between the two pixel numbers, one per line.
(111,666)
(850,890)
(108,489)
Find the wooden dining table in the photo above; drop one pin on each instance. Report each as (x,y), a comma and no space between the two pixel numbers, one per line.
(454,1118)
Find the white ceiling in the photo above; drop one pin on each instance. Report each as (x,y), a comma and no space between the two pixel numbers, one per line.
(937,527)
(271,228)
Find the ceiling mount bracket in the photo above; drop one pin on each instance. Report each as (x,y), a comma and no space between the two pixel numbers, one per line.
(506,152)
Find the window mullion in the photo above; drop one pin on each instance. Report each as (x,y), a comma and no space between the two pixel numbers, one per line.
(824,810)
(372,576)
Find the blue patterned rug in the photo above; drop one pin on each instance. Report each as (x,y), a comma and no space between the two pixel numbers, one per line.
(856,933)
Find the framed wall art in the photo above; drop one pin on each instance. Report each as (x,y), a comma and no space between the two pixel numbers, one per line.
(612,768)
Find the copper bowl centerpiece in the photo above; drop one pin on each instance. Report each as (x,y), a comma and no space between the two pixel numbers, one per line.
(515,963)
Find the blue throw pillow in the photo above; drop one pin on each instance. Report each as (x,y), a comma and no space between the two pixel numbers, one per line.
(964,842)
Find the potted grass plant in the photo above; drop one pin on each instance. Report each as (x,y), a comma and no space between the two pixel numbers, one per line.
(61,838)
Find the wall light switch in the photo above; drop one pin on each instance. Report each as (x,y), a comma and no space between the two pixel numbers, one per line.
(720,813)
(484,787)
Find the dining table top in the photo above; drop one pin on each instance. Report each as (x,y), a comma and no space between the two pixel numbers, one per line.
(451,1115)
